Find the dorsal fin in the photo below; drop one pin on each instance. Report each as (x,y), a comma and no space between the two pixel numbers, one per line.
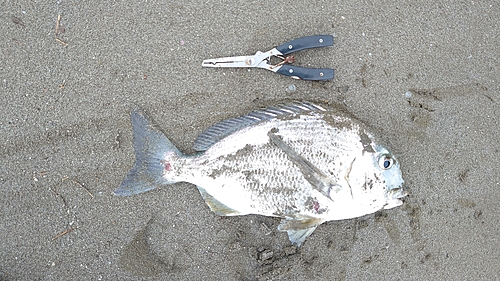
(225,128)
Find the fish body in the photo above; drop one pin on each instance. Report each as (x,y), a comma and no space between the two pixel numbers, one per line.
(299,162)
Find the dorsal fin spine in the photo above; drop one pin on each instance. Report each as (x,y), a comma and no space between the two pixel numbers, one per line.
(227,127)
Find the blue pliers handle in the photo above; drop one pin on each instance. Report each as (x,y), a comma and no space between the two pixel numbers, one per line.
(261,60)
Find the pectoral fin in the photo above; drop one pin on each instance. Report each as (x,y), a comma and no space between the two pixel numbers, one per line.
(299,230)
(319,180)
(215,205)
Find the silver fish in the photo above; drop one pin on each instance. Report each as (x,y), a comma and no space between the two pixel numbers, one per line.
(299,162)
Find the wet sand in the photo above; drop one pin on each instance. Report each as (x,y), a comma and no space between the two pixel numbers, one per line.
(424,75)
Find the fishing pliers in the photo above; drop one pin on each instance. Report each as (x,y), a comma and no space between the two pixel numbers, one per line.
(262,60)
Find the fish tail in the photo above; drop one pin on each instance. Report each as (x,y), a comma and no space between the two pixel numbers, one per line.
(154,157)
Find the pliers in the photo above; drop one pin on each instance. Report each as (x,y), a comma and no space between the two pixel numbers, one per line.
(261,60)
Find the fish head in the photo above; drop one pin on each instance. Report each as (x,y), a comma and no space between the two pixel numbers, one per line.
(375,180)
(388,167)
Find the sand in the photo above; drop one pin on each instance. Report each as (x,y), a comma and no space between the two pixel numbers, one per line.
(424,75)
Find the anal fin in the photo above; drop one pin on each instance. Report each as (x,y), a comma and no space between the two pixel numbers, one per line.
(215,205)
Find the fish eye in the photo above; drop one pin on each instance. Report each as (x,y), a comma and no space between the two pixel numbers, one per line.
(385,161)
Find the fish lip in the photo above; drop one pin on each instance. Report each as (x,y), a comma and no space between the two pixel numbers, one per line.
(399,192)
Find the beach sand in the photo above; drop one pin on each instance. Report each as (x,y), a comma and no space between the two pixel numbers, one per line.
(424,75)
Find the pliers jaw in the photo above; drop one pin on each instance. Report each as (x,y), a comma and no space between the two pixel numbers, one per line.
(262,59)
(259,60)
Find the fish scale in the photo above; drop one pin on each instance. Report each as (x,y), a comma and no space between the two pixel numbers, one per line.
(275,178)
(299,162)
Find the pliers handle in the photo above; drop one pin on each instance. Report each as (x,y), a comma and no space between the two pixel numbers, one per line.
(261,60)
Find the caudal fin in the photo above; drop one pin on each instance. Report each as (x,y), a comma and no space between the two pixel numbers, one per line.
(152,149)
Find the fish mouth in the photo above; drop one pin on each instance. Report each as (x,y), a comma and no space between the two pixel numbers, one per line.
(397,193)
(394,197)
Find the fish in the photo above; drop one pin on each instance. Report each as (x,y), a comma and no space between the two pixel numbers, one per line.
(299,161)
